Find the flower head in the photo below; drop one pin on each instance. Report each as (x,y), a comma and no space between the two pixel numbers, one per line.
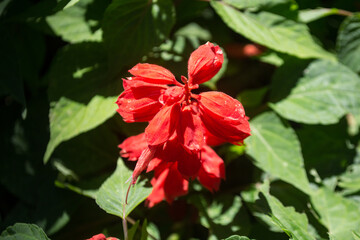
(181,123)
(169,181)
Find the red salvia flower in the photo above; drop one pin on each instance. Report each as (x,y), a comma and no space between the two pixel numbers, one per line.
(181,123)
(101,237)
(169,182)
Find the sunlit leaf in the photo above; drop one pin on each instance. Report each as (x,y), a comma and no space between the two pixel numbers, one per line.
(327,92)
(348,43)
(276,150)
(81,97)
(310,15)
(291,222)
(350,180)
(340,215)
(72,25)
(236,237)
(255,3)
(273,31)
(111,195)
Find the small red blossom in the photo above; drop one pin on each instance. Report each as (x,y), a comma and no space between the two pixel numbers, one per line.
(101,237)
(181,123)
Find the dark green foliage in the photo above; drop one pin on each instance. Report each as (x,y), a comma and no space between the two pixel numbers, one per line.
(61,64)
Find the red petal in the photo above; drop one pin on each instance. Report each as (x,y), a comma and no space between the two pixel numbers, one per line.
(154,163)
(188,162)
(133,146)
(190,130)
(175,185)
(211,139)
(204,63)
(142,163)
(162,126)
(152,73)
(168,183)
(98,237)
(172,95)
(212,169)
(139,102)
(223,116)
(157,194)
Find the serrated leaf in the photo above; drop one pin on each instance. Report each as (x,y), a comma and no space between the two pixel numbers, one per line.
(327,92)
(72,25)
(276,150)
(340,215)
(133,27)
(348,43)
(273,31)
(291,222)
(81,96)
(111,195)
(23,231)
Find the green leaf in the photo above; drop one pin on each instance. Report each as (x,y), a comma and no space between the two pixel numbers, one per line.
(276,150)
(23,231)
(273,31)
(71,3)
(111,195)
(144,233)
(70,118)
(71,23)
(133,229)
(291,222)
(350,180)
(252,97)
(327,161)
(224,216)
(255,3)
(153,230)
(327,92)
(310,15)
(237,237)
(340,215)
(81,96)
(348,43)
(133,27)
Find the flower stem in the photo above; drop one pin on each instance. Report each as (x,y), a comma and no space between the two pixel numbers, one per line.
(124,223)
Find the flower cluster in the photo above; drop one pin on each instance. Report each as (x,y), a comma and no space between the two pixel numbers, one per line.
(181,126)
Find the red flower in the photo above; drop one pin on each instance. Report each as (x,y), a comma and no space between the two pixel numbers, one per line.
(169,181)
(180,122)
(101,237)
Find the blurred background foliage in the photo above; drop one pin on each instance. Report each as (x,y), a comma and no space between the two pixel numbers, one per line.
(293,64)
